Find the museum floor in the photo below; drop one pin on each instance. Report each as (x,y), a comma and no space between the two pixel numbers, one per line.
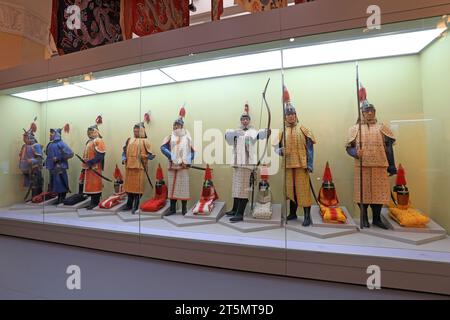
(37,270)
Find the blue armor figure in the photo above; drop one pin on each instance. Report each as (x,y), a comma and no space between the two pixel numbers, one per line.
(58,154)
(30,162)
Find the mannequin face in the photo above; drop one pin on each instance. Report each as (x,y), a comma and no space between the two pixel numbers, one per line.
(245,121)
(177,126)
(369,115)
(52,135)
(92,134)
(25,139)
(136,132)
(291,118)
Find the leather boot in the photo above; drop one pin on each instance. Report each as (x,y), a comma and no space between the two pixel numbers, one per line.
(234,209)
(292,211)
(365,217)
(240,211)
(183,207)
(307,217)
(95,200)
(136,201)
(376,212)
(173,207)
(129,204)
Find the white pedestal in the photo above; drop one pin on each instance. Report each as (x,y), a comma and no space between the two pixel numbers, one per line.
(416,238)
(61,208)
(318,221)
(100,212)
(432,226)
(250,224)
(142,215)
(318,232)
(32,206)
(183,221)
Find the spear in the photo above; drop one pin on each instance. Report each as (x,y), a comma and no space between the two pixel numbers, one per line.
(361,206)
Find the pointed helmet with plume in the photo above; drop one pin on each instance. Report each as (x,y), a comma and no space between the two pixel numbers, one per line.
(30,133)
(159,177)
(58,131)
(327,180)
(364,104)
(118,174)
(246,113)
(93,130)
(328,195)
(208,177)
(288,106)
(181,116)
(400,183)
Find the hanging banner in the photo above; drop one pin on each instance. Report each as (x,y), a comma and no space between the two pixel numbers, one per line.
(78,25)
(144,17)
(216,9)
(260,5)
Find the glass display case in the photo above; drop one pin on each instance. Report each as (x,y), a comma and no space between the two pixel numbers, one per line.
(196,117)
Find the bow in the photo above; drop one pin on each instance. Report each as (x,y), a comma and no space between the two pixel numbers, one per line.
(269,120)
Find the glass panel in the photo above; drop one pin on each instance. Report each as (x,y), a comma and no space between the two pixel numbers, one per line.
(400,68)
(213,88)
(21,178)
(99,118)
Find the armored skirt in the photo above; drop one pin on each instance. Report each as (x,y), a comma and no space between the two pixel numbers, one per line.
(297,186)
(134,180)
(241,182)
(178,183)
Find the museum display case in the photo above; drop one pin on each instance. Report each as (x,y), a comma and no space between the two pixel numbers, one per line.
(140,112)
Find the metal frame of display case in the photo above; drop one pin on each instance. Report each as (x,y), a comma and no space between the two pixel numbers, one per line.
(402,269)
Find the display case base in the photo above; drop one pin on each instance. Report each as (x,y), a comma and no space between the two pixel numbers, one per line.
(84,213)
(142,215)
(61,208)
(215,215)
(432,227)
(319,223)
(33,206)
(181,221)
(416,238)
(318,232)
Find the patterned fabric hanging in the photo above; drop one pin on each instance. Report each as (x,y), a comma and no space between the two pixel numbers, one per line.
(144,17)
(78,25)
(260,5)
(216,9)
(302,1)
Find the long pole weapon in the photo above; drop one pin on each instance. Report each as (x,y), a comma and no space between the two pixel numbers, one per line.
(361,206)
(269,120)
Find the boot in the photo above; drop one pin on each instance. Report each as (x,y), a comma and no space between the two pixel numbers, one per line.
(365,217)
(292,211)
(173,207)
(183,207)
(240,211)
(59,199)
(376,219)
(95,200)
(63,196)
(136,201)
(307,217)
(129,204)
(234,209)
